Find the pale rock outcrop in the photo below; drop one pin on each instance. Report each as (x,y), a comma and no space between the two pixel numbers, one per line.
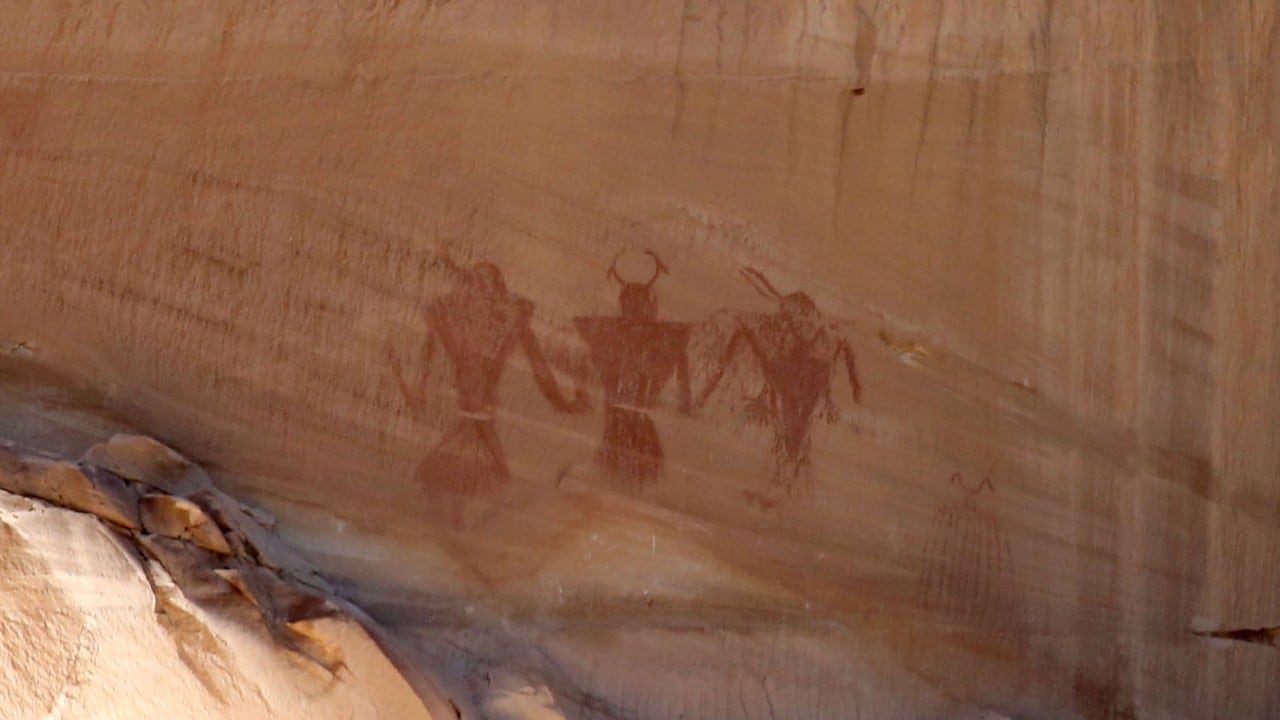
(144,460)
(250,539)
(512,696)
(179,518)
(72,487)
(136,606)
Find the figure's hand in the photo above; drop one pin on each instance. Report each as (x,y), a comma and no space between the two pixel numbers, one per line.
(830,411)
(580,403)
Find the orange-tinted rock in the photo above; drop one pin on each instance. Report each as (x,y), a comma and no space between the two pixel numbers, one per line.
(93,631)
(253,542)
(86,490)
(143,459)
(179,518)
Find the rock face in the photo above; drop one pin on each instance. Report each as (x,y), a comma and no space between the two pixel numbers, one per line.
(108,619)
(662,358)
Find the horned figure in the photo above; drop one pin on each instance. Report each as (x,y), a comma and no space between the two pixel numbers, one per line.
(635,354)
(797,354)
(965,560)
(479,325)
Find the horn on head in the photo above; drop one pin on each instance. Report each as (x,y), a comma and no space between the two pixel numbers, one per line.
(986,481)
(760,283)
(612,274)
(659,268)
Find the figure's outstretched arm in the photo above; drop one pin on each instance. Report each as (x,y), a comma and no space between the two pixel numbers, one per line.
(547,380)
(845,352)
(415,392)
(740,337)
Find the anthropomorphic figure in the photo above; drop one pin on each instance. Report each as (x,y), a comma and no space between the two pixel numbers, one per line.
(635,354)
(965,563)
(797,354)
(479,325)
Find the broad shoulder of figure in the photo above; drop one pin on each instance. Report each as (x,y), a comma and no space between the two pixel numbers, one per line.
(522,305)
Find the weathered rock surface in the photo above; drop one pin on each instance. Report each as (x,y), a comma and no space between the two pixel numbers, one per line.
(84,489)
(946,391)
(144,460)
(105,621)
(253,541)
(179,518)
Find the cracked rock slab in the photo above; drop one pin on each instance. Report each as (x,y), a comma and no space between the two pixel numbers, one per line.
(92,631)
(67,485)
(252,541)
(144,460)
(179,518)
(211,599)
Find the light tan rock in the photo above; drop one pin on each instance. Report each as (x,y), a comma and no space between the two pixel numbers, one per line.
(280,601)
(196,570)
(287,612)
(179,518)
(252,541)
(86,490)
(511,696)
(93,633)
(143,459)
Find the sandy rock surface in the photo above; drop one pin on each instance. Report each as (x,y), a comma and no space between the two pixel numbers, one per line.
(104,620)
(770,359)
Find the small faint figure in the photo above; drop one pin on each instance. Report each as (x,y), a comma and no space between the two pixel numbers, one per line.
(479,325)
(635,354)
(798,354)
(966,560)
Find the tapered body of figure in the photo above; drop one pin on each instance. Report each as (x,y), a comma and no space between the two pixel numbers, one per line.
(635,355)
(797,354)
(478,326)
